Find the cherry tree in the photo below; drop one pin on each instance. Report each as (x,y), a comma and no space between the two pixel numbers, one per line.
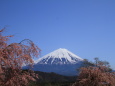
(12,58)
(98,75)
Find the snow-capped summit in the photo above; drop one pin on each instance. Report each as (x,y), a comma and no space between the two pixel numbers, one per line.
(59,56)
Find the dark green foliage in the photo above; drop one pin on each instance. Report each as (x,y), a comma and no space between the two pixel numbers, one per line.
(52,79)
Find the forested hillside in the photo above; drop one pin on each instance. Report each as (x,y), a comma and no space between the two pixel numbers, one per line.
(52,79)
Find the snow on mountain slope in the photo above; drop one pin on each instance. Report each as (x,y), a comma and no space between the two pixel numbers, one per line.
(59,56)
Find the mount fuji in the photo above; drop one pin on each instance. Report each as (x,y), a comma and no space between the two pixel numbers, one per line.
(60,61)
(59,56)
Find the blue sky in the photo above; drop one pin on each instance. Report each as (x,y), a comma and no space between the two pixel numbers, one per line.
(85,27)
